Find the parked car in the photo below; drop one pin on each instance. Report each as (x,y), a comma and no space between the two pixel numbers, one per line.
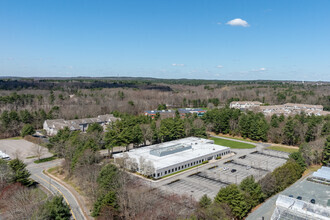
(248,167)
(225,168)
(313,201)
(291,196)
(233,170)
(299,198)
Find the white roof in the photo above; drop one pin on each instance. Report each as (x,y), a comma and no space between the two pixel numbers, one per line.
(199,147)
(323,172)
(299,207)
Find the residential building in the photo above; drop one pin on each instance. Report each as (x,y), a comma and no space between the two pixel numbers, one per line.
(245,105)
(293,109)
(53,126)
(172,113)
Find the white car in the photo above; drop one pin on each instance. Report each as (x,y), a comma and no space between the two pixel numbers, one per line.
(248,167)
(225,168)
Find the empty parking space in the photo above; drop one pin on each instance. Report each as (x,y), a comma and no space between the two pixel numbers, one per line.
(186,187)
(21,148)
(263,161)
(210,180)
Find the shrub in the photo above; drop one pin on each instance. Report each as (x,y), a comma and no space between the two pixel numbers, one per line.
(27,130)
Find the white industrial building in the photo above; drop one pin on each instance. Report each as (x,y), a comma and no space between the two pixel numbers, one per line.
(291,208)
(170,157)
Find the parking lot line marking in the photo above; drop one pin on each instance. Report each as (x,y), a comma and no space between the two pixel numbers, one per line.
(74,217)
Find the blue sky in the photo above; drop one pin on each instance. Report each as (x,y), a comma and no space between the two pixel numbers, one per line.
(205,39)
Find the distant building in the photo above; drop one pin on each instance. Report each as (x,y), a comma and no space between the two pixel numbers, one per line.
(171,113)
(170,157)
(293,109)
(53,126)
(296,106)
(245,105)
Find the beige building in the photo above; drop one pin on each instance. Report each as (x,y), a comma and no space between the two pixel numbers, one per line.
(53,126)
(245,105)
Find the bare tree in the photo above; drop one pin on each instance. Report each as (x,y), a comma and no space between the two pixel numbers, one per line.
(38,151)
(147,133)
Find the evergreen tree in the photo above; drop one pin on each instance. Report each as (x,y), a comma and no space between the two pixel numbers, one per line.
(299,159)
(205,201)
(274,121)
(136,135)
(253,189)
(21,174)
(326,152)
(235,199)
(27,130)
(289,131)
(95,127)
(326,128)
(55,209)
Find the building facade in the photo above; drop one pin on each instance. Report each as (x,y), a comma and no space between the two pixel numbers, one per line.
(170,157)
(245,105)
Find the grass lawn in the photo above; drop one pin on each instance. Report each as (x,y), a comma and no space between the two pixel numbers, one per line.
(14,138)
(232,144)
(284,149)
(237,138)
(46,159)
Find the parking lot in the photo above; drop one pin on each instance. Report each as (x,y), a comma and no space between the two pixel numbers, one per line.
(22,149)
(224,172)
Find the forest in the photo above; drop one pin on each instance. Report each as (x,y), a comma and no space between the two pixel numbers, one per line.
(31,101)
(112,193)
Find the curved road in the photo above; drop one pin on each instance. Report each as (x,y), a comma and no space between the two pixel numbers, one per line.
(55,187)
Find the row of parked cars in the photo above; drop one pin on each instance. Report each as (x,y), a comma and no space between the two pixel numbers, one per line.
(300,198)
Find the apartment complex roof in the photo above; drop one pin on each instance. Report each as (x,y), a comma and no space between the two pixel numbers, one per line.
(74,124)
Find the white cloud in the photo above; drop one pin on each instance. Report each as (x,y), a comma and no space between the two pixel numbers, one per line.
(219,66)
(177,64)
(262,69)
(238,22)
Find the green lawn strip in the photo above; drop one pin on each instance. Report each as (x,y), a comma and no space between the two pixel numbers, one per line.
(46,159)
(232,144)
(31,157)
(13,138)
(284,149)
(237,138)
(51,170)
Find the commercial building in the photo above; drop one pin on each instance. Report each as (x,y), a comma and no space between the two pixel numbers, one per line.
(53,126)
(291,208)
(170,157)
(172,113)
